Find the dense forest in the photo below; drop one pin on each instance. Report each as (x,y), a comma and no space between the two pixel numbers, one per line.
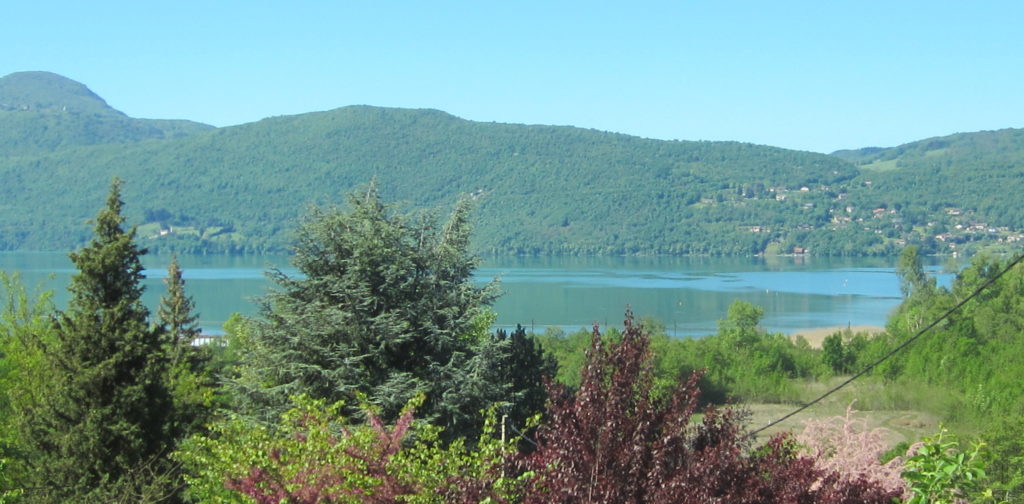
(538,189)
(372,375)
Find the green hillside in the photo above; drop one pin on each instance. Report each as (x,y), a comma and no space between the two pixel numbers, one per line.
(538,189)
(966,184)
(44,112)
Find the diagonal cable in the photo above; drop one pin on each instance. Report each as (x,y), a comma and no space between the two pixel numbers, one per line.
(899,347)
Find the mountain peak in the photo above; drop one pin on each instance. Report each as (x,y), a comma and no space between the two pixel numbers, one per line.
(47,91)
(44,112)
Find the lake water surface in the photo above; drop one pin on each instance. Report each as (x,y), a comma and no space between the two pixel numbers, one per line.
(689,295)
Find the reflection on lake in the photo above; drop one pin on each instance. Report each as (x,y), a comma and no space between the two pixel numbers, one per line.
(689,295)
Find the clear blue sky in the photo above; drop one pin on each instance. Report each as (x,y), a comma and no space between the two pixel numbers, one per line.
(814,75)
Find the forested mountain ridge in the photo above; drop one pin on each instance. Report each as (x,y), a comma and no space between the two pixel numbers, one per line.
(538,189)
(1004,143)
(43,112)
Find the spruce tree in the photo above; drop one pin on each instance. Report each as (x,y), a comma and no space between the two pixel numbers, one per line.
(176,314)
(102,434)
(385,309)
(191,377)
(176,311)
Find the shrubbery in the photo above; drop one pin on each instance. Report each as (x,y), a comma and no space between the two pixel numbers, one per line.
(614,439)
(312,455)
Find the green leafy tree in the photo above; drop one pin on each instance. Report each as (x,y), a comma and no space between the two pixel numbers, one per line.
(1004,458)
(913,280)
(835,354)
(25,328)
(8,494)
(102,433)
(745,361)
(742,319)
(385,309)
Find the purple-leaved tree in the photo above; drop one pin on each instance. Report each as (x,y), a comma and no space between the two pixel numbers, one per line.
(615,441)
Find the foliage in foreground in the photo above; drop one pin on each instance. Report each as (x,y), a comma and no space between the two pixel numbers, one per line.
(939,472)
(616,440)
(94,399)
(312,456)
(974,360)
(623,436)
(8,493)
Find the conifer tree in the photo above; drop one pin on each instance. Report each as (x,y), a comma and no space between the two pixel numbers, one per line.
(102,434)
(177,318)
(524,367)
(385,309)
(191,379)
(176,308)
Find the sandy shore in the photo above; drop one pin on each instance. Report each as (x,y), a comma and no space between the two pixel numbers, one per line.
(816,335)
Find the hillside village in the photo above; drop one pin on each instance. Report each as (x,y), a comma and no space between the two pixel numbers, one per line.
(946,232)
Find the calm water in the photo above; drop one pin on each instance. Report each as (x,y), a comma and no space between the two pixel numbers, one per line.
(689,295)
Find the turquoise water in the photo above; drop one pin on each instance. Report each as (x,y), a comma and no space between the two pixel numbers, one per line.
(688,295)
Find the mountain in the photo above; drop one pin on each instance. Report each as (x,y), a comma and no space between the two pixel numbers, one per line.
(49,92)
(43,112)
(538,189)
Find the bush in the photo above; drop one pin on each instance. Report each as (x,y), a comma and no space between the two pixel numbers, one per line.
(844,445)
(939,472)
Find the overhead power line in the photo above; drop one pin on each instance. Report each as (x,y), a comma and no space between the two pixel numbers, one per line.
(898,348)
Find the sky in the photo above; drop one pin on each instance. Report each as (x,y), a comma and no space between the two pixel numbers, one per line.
(815,75)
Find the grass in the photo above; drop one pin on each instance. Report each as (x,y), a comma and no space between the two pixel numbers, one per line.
(899,425)
(881,166)
(904,412)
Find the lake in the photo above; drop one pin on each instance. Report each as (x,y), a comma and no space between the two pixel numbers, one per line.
(688,294)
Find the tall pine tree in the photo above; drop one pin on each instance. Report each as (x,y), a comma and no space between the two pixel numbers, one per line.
(102,434)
